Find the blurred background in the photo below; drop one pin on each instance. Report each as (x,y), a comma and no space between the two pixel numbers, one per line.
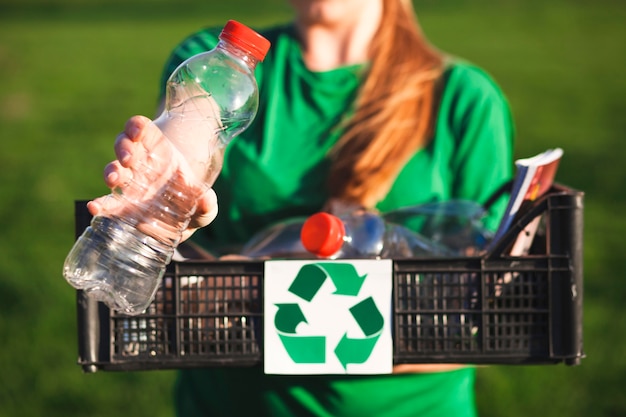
(73,71)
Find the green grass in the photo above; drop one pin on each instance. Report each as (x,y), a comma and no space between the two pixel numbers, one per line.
(72,72)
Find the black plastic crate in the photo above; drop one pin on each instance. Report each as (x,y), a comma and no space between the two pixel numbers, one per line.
(491,309)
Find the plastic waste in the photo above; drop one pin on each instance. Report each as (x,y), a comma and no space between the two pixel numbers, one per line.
(278,241)
(364,234)
(454,224)
(449,228)
(210,98)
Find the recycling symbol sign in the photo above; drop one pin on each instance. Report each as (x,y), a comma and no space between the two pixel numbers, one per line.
(328,317)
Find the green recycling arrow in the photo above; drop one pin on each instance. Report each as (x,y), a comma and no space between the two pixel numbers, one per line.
(305,349)
(308,281)
(311,277)
(312,349)
(371,322)
(301,349)
(345,278)
(288,317)
(367,316)
(355,350)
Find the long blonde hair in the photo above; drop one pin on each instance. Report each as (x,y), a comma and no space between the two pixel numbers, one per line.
(394,111)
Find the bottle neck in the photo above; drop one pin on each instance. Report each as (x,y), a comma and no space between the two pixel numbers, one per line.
(240,53)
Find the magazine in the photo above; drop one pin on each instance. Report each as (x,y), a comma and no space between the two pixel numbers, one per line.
(533,178)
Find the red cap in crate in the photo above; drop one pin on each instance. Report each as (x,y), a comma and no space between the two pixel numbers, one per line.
(323,234)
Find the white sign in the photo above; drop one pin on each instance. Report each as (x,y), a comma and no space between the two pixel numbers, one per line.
(328,317)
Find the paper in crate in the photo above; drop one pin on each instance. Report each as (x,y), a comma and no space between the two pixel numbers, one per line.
(533,178)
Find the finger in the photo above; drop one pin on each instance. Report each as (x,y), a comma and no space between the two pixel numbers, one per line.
(115,175)
(102,205)
(143,144)
(135,126)
(95,206)
(206,211)
(129,143)
(140,129)
(125,149)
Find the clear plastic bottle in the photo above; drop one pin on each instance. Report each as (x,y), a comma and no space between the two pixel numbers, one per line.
(364,234)
(278,241)
(210,98)
(456,224)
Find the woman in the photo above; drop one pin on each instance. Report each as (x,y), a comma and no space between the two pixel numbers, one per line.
(357,108)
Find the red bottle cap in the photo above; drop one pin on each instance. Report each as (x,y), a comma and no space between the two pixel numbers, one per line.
(245,38)
(322,234)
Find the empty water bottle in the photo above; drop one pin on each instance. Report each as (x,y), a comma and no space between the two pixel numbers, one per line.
(210,98)
(456,224)
(278,241)
(364,234)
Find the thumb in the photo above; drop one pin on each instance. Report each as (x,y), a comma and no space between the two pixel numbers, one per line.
(205,213)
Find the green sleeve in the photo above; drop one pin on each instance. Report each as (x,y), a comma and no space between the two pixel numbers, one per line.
(469,155)
(479,119)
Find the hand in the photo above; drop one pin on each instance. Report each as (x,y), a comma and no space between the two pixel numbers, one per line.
(140,144)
